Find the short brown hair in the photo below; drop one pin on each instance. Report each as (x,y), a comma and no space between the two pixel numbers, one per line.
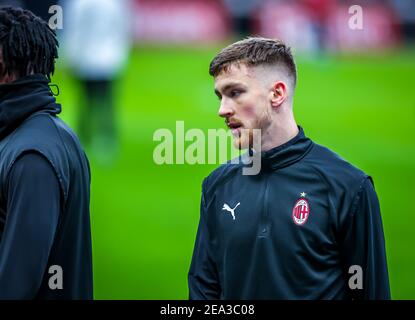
(255,51)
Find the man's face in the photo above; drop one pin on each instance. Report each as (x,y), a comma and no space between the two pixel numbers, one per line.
(244,102)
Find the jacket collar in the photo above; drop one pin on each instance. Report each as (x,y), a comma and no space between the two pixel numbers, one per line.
(22,98)
(287,153)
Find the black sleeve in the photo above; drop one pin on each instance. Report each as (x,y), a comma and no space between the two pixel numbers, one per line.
(33,206)
(203,278)
(363,245)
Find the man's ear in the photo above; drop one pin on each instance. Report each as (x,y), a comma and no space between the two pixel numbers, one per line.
(278,94)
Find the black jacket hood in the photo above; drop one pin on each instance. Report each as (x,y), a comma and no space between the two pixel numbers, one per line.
(22,98)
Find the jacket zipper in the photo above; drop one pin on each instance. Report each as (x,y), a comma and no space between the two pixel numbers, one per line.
(264,226)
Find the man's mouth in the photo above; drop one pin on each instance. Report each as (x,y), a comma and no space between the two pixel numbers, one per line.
(235,128)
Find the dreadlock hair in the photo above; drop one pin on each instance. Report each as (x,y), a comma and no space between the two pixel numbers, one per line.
(27,43)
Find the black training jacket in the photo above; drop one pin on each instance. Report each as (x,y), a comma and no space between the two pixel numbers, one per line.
(45,236)
(297,230)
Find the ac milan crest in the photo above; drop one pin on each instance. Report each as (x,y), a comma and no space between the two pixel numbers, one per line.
(301,210)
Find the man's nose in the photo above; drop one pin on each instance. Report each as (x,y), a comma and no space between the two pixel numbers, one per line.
(225,109)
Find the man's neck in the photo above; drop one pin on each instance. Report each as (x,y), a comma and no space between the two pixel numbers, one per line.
(278,133)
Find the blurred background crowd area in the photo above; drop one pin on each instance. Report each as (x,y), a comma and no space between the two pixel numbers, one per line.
(304,24)
(130,67)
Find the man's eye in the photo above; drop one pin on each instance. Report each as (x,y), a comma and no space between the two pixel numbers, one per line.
(235,93)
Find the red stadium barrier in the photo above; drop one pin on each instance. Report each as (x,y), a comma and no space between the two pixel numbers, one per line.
(294,24)
(378,30)
(305,25)
(289,22)
(180,21)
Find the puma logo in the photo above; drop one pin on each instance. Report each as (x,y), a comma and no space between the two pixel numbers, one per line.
(232,211)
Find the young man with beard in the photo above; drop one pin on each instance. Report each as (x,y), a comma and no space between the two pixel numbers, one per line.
(308,226)
(45,237)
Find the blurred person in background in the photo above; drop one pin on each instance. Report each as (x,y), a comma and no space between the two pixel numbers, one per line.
(406,12)
(97,41)
(44,173)
(319,11)
(241,13)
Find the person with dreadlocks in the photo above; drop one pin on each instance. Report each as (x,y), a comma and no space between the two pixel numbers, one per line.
(45,236)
